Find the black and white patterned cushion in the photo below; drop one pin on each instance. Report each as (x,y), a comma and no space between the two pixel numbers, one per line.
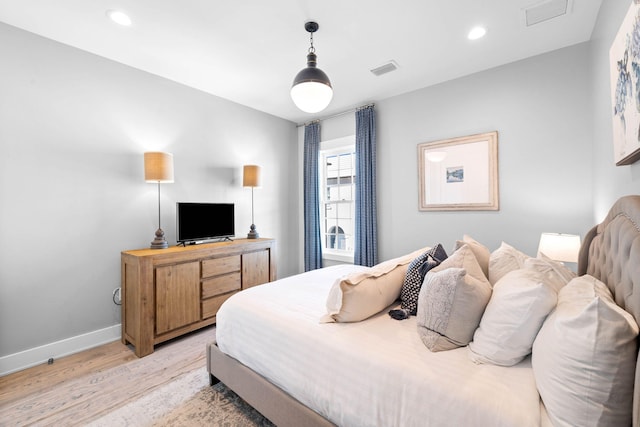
(414,277)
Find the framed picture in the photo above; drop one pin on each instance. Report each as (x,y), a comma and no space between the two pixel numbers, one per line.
(624,63)
(459,174)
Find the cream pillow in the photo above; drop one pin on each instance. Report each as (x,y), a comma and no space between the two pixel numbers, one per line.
(481,252)
(463,257)
(520,302)
(451,302)
(362,294)
(503,260)
(584,358)
(557,273)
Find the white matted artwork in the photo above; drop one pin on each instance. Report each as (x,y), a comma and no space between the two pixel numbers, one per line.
(624,58)
(459,173)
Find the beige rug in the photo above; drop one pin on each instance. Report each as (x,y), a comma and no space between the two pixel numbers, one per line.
(186,401)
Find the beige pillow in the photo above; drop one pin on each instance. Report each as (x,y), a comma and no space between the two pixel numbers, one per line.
(362,294)
(503,260)
(463,257)
(481,252)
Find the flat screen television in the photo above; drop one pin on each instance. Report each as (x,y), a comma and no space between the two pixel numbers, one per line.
(198,222)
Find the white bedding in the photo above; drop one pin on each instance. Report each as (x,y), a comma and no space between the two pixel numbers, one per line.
(371,373)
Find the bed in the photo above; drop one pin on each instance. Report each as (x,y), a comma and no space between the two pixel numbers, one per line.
(276,349)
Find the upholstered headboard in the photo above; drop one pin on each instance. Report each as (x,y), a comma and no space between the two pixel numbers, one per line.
(611,253)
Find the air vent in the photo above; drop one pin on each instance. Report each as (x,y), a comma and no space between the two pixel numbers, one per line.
(385,68)
(545,11)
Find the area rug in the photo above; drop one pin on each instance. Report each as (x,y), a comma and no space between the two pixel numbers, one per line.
(186,401)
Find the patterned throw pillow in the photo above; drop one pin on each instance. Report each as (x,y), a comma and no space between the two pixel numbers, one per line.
(415,276)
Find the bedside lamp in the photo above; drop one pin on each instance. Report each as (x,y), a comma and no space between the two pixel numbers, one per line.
(560,247)
(158,167)
(251,178)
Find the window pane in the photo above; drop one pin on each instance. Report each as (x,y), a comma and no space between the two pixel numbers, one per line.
(344,210)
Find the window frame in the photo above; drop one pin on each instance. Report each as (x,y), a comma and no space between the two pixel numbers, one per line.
(329,148)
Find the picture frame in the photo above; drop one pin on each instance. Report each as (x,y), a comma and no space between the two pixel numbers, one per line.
(624,63)
(459,174)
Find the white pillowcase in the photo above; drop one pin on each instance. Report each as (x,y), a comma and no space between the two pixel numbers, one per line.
(503,260)
(521,301)
(584,358)
(557,273)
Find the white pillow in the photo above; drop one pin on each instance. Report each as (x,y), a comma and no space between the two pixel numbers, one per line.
(520,302)
(557,273)
(481,252)
(362,294)
(584,358)
(503,260)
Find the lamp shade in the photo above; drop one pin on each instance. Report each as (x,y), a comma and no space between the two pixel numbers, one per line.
(158,167)
(560,247)
(251,176)
(311,90)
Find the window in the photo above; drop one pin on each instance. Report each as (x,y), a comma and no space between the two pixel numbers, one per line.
(337,199)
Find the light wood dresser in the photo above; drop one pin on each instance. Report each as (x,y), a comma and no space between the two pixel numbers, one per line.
(169,292)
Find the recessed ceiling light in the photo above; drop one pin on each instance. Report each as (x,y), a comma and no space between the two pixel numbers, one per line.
(477,33)
(119,17)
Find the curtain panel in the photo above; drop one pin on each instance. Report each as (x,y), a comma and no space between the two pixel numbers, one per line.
(366,221)
(312,242)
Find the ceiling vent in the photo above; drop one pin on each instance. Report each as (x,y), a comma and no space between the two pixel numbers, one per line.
(545,11)
(385,68)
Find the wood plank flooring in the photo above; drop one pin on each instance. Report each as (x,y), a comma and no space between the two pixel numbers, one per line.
(79,388)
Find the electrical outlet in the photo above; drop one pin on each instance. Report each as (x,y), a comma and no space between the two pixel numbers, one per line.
(117,297)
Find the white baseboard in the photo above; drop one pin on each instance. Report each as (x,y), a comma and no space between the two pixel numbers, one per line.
(38,355)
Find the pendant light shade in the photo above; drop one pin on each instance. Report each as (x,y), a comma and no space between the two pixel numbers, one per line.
(311,90)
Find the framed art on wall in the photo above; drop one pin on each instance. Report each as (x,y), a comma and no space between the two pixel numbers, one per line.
(624,58)
(459,173)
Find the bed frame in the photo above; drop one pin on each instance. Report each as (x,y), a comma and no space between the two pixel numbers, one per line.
(610,252)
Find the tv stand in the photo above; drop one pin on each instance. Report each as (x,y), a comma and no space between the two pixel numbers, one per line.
(170,292)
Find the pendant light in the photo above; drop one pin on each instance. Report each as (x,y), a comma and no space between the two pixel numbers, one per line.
(311,90)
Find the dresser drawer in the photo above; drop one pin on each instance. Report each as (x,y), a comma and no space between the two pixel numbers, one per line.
(210,306)
(221,284)
(217,266)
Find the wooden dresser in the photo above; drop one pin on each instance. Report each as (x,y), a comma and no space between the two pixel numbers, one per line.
(169,292)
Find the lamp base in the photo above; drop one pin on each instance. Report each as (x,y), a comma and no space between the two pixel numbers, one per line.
(159,242)
(253,234)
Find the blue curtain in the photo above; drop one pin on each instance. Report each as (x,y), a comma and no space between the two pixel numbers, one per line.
(366,232)
(312,242)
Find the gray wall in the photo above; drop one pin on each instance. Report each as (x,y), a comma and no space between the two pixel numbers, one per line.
(73,127)
(609,181)
(540,108)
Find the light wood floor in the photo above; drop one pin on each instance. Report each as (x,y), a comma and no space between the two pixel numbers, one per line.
(81,387)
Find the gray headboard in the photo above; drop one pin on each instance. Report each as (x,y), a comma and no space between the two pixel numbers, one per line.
(610,252)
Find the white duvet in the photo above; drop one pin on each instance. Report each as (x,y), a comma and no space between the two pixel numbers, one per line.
(371,373)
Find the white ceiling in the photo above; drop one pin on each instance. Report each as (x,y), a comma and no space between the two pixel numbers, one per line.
(248,51)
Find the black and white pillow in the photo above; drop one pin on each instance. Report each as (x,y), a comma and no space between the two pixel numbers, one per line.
(415,276)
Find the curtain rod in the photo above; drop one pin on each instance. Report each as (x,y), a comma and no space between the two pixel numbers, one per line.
(353,110)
